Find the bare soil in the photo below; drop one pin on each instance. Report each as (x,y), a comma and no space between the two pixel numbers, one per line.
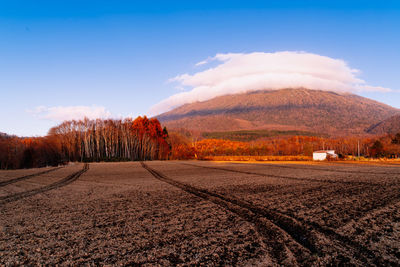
(201,213)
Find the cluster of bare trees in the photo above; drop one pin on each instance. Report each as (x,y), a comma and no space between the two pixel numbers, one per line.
(95,140)
(87,140)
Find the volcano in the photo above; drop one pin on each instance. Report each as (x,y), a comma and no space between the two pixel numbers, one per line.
(286,109)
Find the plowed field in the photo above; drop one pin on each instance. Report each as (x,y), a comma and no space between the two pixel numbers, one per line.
(201,213)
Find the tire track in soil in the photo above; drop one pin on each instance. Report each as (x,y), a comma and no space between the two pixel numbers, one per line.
(381,202)
(362,253)
(377,214)
(329,170)
(14,180)
(357,184)
(63,182)
(283,177)
(378,203)
(380,206)
(285,237)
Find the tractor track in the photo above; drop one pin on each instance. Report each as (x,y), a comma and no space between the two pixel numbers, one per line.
(283,177)
(300,237)
(376,209)
(330,170)
(14,180)
(383,202)
(268,231)
(377,204)
(362,252)
(319,196)
(63,182)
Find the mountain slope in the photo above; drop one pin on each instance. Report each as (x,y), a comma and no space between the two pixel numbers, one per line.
(390,125)
(286,109)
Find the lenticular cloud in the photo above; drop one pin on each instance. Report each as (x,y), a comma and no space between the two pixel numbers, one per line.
(239,73)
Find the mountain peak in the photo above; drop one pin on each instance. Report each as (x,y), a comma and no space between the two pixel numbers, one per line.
(286,109)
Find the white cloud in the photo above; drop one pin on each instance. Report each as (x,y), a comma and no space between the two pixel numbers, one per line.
(203,62)
(239,73)
(62,113)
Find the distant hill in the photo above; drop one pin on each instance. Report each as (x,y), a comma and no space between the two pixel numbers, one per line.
(285,110)
(390,125)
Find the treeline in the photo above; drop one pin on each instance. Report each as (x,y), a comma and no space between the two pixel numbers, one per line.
(144,139)
(385,146)
(18,152)
(87,140)
(95,140)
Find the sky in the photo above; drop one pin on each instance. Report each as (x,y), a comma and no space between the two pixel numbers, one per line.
(114,59)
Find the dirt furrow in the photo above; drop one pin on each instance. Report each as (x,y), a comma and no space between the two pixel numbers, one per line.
(330,170)
(65,181)
(361,252)
(281,234)
(14,180)
(283,177)
(380,202)
(298,228)
(307,231)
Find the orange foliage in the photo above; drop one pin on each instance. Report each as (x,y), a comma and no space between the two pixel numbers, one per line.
(144,139)
(290,146)
(180,147)
(87,140)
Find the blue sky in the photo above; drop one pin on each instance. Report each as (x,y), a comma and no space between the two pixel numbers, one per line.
(117,56)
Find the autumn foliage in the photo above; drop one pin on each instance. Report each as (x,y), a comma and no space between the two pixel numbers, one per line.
(96,140)
(181,147)
(145,139)
(87,140)
(386,146)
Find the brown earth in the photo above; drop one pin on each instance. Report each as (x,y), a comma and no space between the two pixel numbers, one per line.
(192,213)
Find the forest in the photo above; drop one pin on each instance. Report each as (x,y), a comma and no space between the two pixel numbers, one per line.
(368,147)
(87,140)
(145,139)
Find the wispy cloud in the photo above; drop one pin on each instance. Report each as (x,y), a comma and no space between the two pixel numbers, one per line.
(203,62)
(239,73)
(62,113)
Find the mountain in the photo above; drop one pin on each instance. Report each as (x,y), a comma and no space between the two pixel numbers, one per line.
(390,125)
(286,109)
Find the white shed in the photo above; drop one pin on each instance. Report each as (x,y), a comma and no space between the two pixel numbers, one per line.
(323,154)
